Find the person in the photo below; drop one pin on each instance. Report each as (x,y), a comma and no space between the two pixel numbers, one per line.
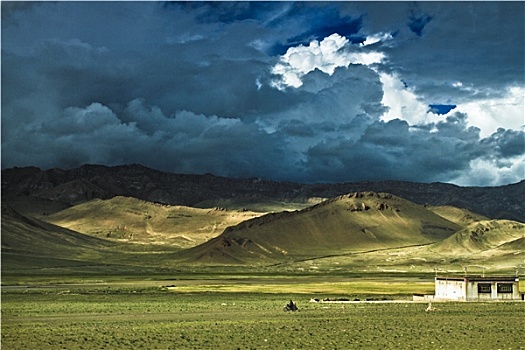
(430,308)
(291,306)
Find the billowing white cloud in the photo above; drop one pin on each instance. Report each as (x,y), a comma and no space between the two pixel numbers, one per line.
(489,114)
(486,113)
(325,56)
(486,172)
(375,38)
(402,102)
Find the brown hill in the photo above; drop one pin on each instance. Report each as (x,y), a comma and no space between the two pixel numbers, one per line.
(459,216)
(133,220)
(95,181)
(489,244)
(483,236)
(349,223)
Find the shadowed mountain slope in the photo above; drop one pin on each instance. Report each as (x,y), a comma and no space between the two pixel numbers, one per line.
(349,223)
(68,187)
(28,242)
(517,244)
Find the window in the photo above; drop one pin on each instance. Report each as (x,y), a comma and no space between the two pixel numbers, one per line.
(504,287)
(484,288)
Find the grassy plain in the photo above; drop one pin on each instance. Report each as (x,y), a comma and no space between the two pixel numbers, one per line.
(244,311)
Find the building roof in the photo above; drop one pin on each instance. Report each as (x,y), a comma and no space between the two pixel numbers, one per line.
(474,278)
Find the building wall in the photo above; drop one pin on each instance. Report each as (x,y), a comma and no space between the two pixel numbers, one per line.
(473,291)
(450,289)
(515,295)
(464,289)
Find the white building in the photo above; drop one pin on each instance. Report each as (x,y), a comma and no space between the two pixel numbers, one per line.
(477,288)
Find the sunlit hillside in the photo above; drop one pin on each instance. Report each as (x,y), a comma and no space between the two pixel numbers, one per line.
(458,215)
(137,221)
(482,236)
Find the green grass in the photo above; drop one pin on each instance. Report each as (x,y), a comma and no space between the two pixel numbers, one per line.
(127,315)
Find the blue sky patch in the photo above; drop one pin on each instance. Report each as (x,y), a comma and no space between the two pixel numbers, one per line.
(441,109)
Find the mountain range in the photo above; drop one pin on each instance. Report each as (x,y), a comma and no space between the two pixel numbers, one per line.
(134,216)
(56,189)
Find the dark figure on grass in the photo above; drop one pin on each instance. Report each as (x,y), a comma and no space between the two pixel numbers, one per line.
(291,306)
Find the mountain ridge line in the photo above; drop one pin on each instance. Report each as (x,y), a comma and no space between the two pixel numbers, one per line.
(78,185)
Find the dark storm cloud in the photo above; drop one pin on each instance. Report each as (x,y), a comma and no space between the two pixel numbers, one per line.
(418,21)
(395,150)
(230,11)
(506,143)
(188,142)
(320,24)
(301,21)
(187,87)
(475,44)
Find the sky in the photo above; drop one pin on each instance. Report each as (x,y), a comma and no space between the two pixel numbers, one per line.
(287,91)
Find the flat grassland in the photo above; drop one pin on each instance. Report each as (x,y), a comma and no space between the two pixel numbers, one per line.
(246,312)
